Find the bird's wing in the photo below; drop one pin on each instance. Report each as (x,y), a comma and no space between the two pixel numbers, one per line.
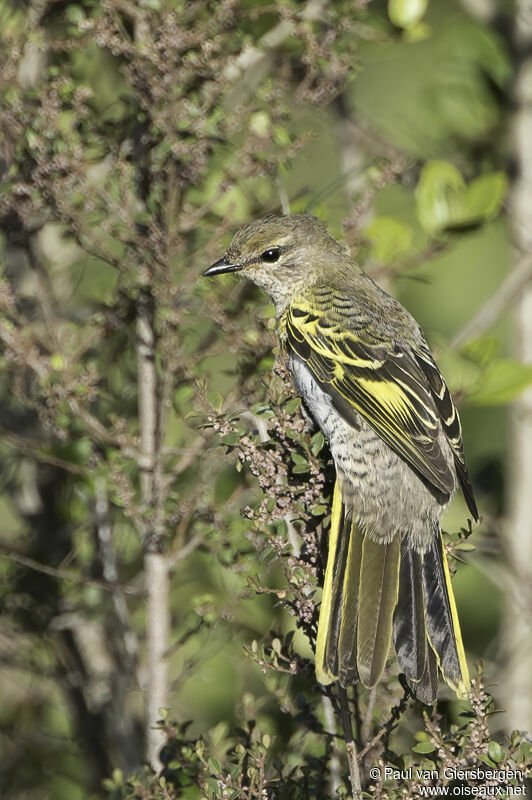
(398,391)
(450,422)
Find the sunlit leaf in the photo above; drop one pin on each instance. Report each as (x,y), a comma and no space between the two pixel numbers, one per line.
(500,383)
(390,238)
(406,13)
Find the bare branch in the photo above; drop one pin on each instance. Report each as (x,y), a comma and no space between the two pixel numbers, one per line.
(67,575)
(505,296)
(30,447)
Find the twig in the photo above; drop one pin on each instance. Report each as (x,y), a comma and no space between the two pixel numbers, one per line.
(253,63)
(350,746)
(507,293)
(184,551)
(334,761)
(104,533)
(388,726)
(66,575)
(368,717)
(29,448)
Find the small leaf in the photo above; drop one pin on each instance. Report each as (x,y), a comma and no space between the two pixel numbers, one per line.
(57,362)
(440,184)
(484,197)
(215,399)
(230,439)
(500,383)
(406,13)
(300,469)
(482,350)
(495,752)
(299,459)
(390,238)
(424,747)
(317,442)
(291,406)
(445,202)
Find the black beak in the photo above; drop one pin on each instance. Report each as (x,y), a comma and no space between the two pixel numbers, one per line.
(221,266)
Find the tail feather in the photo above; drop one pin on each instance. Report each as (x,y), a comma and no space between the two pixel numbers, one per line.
(337,591)
(374,592)
(426,689)
(329,621)
(443,628)
(347,642)
(409,632)
(379,586)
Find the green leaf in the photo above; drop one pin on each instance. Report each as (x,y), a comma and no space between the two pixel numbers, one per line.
(439,185)
(495,752)
(424,747)
(230,439)
(215,399)
(444,200)
(291,406)
(317,442)
(501,382)
(390,238)
(484,197)
(406,13)
(74,14)
(299,459)
(482,350)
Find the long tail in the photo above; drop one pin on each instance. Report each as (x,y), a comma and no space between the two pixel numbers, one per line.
(374,593)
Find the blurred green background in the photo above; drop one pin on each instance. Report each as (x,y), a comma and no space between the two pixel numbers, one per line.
(409,162)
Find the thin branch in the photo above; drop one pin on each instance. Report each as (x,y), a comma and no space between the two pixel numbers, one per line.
(253,63)
(28,447)
(507,294)
(368,716)
(104,533)
(350,745)
(67,575)
(185,551)
(334,761)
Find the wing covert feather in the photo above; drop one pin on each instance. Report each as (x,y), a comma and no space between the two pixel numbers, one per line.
(397,390)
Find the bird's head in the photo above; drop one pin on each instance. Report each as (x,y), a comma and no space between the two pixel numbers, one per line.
(282,255)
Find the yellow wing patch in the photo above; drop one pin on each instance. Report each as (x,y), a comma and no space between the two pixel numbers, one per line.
(374,378)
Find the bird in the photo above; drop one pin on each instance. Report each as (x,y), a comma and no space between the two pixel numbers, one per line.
(366,376)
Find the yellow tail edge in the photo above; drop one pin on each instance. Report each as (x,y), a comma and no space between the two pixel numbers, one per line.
(461,687)
(323,674)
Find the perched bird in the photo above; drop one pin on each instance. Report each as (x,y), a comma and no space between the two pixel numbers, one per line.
(366,375)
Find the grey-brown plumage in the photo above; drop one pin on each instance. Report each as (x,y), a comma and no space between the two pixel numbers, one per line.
(366,375)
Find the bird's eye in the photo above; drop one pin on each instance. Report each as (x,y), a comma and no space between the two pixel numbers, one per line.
(271,255)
